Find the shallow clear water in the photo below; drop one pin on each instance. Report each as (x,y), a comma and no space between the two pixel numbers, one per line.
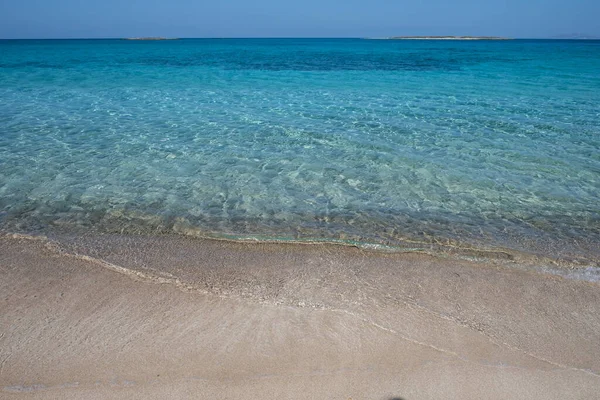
(477,143)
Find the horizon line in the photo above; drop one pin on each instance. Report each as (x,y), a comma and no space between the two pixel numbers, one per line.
(282,37)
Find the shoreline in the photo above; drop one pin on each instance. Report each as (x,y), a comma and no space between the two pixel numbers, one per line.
(110,316)
(583,267)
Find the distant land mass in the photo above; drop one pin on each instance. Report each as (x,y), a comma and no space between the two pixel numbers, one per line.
(149,38)
(447,38)
(577,36)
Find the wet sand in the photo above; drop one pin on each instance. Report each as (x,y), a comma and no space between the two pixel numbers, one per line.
(115,317)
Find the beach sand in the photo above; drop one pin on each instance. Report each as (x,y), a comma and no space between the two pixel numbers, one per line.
(117,317)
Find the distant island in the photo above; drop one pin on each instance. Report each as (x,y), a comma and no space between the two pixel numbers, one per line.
(149,38)
(447,38)
(577,36)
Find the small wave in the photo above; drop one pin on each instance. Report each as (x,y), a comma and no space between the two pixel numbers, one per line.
(590,273)
(568,269)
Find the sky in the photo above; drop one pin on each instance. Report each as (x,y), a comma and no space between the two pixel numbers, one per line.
(300,18)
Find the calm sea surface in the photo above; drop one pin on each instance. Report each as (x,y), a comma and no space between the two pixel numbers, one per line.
(492,144)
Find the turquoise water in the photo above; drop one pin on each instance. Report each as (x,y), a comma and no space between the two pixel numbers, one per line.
(492,144)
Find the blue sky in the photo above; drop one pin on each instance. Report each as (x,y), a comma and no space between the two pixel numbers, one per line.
(306,18)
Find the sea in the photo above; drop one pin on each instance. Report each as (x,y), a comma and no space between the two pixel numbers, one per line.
(388,144)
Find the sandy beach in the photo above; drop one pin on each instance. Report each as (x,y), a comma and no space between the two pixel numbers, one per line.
(114,317)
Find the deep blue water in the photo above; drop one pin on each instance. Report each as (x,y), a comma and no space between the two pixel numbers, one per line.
(493,144)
